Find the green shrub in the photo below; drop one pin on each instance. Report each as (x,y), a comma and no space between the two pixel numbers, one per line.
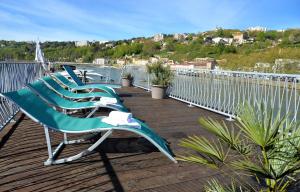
(262,145)
(163,75)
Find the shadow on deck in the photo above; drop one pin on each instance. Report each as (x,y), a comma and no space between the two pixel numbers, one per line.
(125,162)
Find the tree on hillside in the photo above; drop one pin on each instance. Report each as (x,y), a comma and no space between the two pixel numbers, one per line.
(260,36)
(294,37)
(223,33)
(150,48)
(272,35)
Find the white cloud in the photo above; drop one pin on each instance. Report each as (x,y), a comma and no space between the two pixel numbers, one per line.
(61,18)
(107,20)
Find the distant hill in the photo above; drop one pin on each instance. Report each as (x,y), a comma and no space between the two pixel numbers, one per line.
(234,49)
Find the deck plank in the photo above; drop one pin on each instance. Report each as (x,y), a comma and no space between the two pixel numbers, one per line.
(125,162)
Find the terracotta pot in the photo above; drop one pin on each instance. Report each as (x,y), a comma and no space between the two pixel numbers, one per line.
(158,92)
(126,82)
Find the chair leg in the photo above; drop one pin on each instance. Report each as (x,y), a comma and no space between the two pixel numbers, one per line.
(93,98)
(92,112)
(81,154)
(48,141)
(91,90)
(65,138)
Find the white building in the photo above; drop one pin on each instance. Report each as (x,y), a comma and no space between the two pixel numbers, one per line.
(180,36)
(120,61)
(222,40)
(257,28)
(110,45)
(102,42)
(239,37)
(262,65)
(101,61)
(136,61)
(81,43)
(158,37)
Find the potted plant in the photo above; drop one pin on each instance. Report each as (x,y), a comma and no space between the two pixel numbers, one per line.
(127,80)
(162,78)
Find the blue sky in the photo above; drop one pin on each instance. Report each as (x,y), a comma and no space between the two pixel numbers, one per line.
(122,19)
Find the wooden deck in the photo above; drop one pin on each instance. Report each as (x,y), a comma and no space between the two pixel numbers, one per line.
(125,162)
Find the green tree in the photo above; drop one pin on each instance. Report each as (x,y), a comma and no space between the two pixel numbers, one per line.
(294,37)
(150,48)
(260,36)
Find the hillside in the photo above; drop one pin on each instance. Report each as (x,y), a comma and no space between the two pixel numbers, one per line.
(258,46)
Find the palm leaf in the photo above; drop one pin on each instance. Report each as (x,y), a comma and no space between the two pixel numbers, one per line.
(260,126)
(229,137)
(202,145)
(254,168)
(215,186)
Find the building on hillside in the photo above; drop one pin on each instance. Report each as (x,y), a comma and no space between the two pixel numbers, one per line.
(257,28)
(79,60)
(101,61)
(240,37)
(171,62)
(158,37)
(222,40)
(102,42)
(136,61)
(109,45)
(121,61)
(198,63)
(250,40)
(81,43)
(180,36)
(153,59)
(182,66)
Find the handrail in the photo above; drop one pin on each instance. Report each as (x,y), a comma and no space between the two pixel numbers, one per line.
(14,76)
(224,92)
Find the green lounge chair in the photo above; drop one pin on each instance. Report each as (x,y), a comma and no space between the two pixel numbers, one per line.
(35,108)
(91,87)
(77,80)
(54,99)
(71,95)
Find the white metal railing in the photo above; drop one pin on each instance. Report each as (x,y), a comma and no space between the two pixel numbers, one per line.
(108,74)
(219,91)
(13,76)
(141,78)
(224,91)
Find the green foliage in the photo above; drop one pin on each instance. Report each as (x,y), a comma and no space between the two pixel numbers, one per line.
(224,33)
(163,75)
(261,145)
(267,47)
(213,153)
(273,35)
(249,55)
(150,48)
(127,49)
(232,138)
(260,36)
(11,50)
(215,186)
